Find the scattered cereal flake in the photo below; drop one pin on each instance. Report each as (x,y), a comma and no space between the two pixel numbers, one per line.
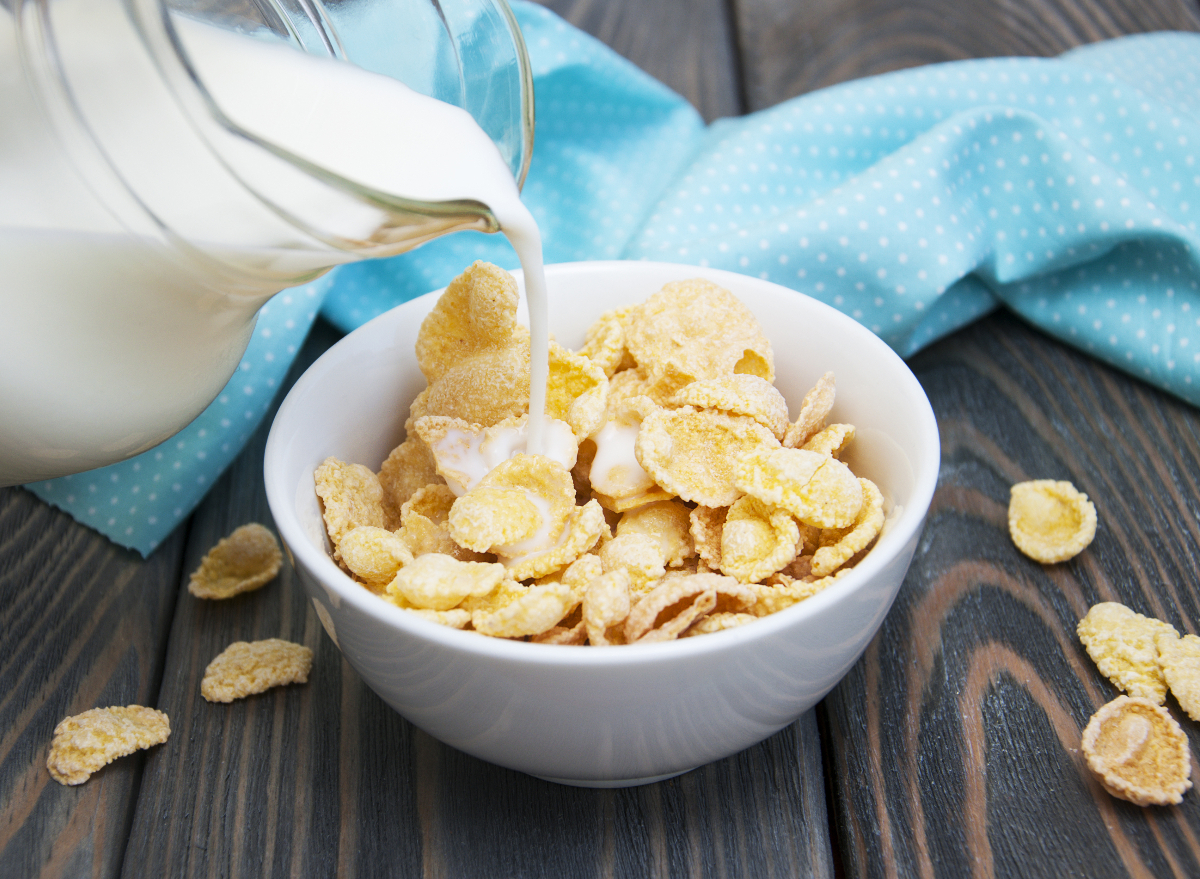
(816,489)
(350,496)
(606,604)
(1179,661)
(638,555)
(718,622)
(374,555)
(780,591)
(245,668)
(1122,644)
(520,507)
(832,440)
(670,608)
(692,330)
(1050,521)
(1138,752)
(537,610)
(668,522)
(757,540)
(747,395)
(247,559)
(439,582)
(813,411)
(694,454)
(576,390)
(604,343)
(839,545)
(409,468)
(707,524)
(585,526)
(90,741)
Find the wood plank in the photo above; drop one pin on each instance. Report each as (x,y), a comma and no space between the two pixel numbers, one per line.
(791,48)
(686,44)
(83,624)
(957,736)
(325,778)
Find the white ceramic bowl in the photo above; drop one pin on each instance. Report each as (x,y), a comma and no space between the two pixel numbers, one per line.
(621,715)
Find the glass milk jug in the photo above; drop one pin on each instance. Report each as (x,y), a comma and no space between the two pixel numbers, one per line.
(168,165)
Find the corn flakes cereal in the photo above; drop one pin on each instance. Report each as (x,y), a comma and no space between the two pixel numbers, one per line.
(565,635)
(585,527)
(1122,644)
(816,489)
(668,522)
(693,330)
(536,610)
(374,555)
(1138,752)
(440,582)
(520,506)
(247,559)
(245,668)
(757,540)
(718,622)
(615,474)
(831,440)
(638,555)
(606,604)
(409,468)
(706,527)
(473,352)
(667,419)
(667,611)
(89,741)
(1179,662)
(454,618)
(425,525)
(604,343)
(779,591)
(475,316)
(748,395)
(1050,521)
(694,455)
(350,496)
(813,411)
(576,391)
(839,545)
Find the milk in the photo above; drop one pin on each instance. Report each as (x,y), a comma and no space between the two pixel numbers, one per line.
(124,315)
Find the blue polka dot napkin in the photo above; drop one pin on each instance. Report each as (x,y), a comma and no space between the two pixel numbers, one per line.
(1066,189)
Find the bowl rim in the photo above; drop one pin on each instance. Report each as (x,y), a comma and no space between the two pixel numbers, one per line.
(281,496)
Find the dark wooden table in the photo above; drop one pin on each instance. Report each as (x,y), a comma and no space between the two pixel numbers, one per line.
(951,749)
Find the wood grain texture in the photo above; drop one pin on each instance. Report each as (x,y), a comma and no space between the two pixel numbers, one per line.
(790,48)
(83,624)
(687,44)
(958,733)
(324,778)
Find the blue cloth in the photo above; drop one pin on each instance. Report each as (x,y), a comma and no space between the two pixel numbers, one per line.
(1066,189)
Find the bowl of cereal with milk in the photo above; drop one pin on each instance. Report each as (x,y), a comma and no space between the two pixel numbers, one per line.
(676,555)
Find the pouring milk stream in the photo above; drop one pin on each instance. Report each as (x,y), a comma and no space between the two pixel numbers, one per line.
(121,324)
